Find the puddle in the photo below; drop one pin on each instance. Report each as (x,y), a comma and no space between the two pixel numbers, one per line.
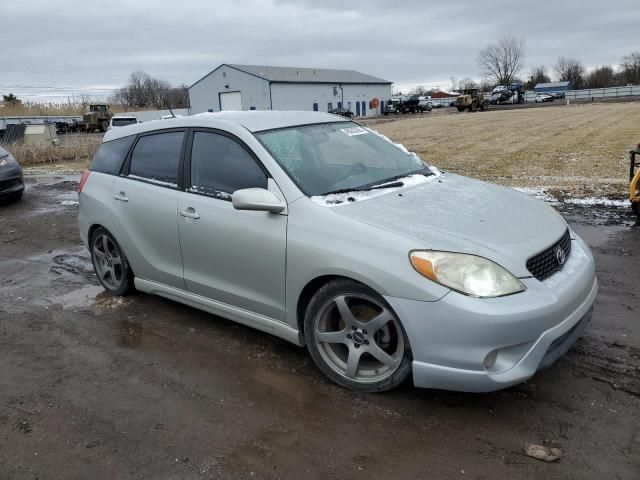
(83,297)
(43,178)
(67,198)
(72,263)
(133,335)
(291,385)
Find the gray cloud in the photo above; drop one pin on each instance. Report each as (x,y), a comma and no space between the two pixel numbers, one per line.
(51,48)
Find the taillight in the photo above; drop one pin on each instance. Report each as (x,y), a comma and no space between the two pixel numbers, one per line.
(83,179)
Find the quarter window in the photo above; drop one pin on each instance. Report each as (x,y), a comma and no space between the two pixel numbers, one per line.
(111,155)
(156,158)
(220,166)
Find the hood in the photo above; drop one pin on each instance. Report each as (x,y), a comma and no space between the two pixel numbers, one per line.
(458,214)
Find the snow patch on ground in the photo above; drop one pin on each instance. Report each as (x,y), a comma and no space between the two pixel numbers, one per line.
(69,203)
(598,201)
(337,199)
(585,202)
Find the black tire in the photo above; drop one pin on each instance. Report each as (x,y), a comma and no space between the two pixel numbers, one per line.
(119,281)
(635,206)
(391,330)
(460,109)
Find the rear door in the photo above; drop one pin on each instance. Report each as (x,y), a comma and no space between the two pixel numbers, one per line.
(231,256)
(143,207)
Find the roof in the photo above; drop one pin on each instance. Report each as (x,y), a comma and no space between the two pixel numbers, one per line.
(302,75)
(253,120)
(552,85)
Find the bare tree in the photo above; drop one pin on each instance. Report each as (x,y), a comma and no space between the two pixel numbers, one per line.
(467,83)
(570,69)
(486,85)
(537,75)
(630,69)
(502,61)
(419,90)
(142,90)
(601,77)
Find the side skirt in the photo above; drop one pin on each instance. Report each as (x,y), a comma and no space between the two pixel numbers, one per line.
(239,315)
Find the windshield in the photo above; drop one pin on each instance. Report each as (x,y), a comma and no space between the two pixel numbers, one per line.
(324,158)
(121,122)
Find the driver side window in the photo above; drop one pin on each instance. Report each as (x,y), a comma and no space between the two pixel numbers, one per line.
(220,166)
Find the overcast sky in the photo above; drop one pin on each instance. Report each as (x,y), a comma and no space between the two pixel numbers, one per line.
(56,49)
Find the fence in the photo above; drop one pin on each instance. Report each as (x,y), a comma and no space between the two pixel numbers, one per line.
(589,93)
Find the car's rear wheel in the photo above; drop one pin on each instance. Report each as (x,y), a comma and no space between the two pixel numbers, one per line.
(110,264)
(355,338)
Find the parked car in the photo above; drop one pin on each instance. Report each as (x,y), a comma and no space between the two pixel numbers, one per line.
(11,179)
(558,95)
(324,233)
(500,96)
(544,97)
(121,121)
(343,112)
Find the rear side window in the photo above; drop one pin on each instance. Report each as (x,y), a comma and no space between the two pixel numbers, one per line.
(156,158)
(220,166)
(111,155)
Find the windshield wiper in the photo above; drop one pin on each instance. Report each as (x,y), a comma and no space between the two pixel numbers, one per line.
(390,182)
(365,188)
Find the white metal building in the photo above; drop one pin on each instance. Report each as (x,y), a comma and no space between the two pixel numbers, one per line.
(256,87)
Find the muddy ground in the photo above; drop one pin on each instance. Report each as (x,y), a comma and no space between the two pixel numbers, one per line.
(92,387)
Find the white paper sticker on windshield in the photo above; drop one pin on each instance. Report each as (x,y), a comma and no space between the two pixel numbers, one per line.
(352,131)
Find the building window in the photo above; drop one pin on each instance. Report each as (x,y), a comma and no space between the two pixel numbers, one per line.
(348,105)
(329,106)
(315,106)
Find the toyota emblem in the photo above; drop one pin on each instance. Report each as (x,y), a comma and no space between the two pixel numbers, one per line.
(561,257)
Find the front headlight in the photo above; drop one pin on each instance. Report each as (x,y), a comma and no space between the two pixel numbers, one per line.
(465,273)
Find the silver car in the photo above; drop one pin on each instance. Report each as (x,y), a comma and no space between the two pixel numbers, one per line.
(320,231)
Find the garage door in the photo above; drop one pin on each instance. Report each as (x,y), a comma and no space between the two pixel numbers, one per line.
(230,101)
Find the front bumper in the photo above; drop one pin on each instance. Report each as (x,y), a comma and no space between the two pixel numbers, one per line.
(11,185)
(480,345)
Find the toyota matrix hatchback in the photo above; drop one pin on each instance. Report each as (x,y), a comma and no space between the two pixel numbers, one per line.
(317,230)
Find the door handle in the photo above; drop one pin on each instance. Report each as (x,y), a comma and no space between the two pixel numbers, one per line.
(190,213)
(121,197)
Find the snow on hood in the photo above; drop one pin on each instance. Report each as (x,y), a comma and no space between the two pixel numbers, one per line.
(336,199)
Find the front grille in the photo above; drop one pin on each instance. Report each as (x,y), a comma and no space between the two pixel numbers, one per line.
(551,260)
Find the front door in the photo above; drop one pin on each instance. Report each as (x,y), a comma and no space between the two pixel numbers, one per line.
(143,208)
(357,109)
(231,256)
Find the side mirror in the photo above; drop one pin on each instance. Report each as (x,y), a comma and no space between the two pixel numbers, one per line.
(258,199)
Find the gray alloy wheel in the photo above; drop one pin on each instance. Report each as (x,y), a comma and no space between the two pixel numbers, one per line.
(356,339)
(110,263)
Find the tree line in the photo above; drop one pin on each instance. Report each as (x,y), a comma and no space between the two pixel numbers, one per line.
(142,90)
(501,63)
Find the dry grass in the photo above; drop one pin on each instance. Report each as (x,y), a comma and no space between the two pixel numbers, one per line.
(28,109)
(581,150)
(76,149)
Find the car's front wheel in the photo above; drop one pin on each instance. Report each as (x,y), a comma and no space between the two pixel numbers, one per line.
(110,264)
(355,338)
